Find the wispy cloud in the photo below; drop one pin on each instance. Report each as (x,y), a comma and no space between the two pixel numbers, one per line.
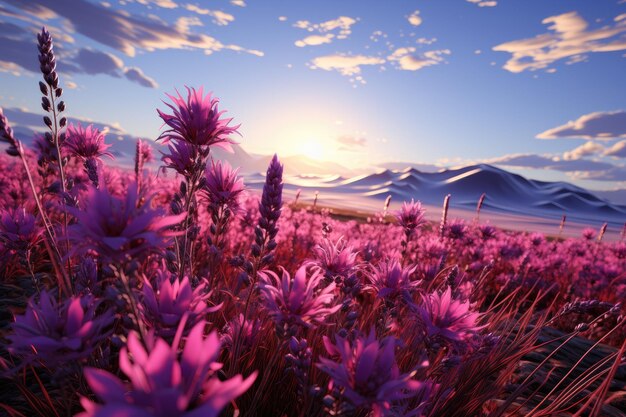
(598,125)
(314,40)
(136,75)
(123,31)
(407,59)
(342,26)
(547,162)
(351,143)
(618,150)
(569,38)
(484,3)
(239,3)
(586,149)
(220,18)
(345,64)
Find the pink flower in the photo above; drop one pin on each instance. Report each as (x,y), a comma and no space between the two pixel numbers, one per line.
(86,143)
(223,186)
(19,230)
(447,318)
(411,216)
(367,372)
(52,333)
(119,229)
(336,260)
(390,280)
(164,308)
(197,120)
(294,302)
(164,384)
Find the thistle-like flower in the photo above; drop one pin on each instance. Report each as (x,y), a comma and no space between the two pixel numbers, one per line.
(223,186)
(116,229)
(85,143)
(197,121)
(182,158)
(366,371)
(390,280)
(162,309)
(410,217)
(294,303)
(18,230)
(447,318)
(337,260)
(50,334)
(162,384)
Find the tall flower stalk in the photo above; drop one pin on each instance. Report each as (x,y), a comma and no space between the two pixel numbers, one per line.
(195,125)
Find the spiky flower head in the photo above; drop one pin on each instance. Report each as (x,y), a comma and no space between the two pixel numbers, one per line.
(85,142)
(18,229)
(120,229)
(183,158)
(51,333)
(367,372)
(411,216)
(390,280)
(294,302)
(164,383)
(223,186)
(197,120)
(336,260)
(163,309)
(447,318)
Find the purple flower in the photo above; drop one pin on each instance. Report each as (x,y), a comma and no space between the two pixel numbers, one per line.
(85,143)
(162,384)
(390,280)
(335,260)
(119,229)
(223,186)
(19,230)
(366,371)
(410,216)
(164,308)
(197,121)
(182,158)
(248,330)
(295,302)
(447,318)
(51,334)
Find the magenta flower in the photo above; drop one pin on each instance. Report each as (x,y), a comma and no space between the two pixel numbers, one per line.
(366,371)
(295,302)
(223,186)
(50,334)
(85,143)
(336,260)
(19,230)
(164,384)
(119,229)
(390,280)
(182,158)
(197,121)
(447,318)
(248,331)
(164,308)
(411,216)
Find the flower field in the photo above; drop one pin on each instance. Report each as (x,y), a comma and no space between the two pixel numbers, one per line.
(177,292)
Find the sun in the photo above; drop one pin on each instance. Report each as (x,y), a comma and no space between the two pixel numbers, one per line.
(311,147)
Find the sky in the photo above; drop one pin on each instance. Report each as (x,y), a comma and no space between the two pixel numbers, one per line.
(534,86)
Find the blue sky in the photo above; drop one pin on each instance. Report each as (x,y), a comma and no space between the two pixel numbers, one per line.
(537,86)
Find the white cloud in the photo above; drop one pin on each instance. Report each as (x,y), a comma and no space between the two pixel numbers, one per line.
(588,148)
(342,23)
(569,38)
(598,125)
(220,18)
(282,18)
(348,65)
(315,40)
(484,3)
(414,18)
(407,59)
(239,3)
(618,150)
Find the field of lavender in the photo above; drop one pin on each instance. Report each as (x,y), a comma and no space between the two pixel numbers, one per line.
(179,293)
